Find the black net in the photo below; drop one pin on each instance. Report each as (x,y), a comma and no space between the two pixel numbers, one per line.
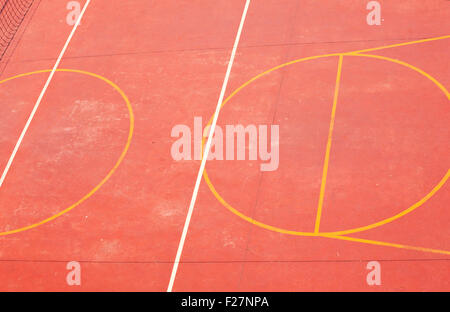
(12,13)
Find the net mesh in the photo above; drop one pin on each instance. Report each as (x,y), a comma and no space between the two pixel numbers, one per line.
(12,13)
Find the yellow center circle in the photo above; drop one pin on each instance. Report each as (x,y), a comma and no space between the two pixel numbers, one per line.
(342,232)
(110,173)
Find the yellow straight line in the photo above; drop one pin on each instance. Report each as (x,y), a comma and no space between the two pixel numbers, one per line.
(330,137)
(399,44)
(378,243)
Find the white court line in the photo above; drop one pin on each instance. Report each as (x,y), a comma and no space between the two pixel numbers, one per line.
(205,154)
(49,79)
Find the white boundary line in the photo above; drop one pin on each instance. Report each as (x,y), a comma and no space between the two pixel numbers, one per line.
(38,102)
(207,148)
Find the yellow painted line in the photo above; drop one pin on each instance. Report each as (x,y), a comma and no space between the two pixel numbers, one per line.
(386,244)
(380,57)
(435,189)
(247,218)
(340,232)
(397,216)
(110,173)
(328,152)
(400,44)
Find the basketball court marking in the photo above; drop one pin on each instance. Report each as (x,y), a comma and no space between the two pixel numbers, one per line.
(386,244)
(41,95)
(339,234)
(110,173)
(206,150)
(328,151)
(400,44)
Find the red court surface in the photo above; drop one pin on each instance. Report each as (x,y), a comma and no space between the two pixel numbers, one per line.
(363,115)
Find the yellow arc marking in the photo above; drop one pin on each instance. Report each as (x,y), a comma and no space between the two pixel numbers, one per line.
(386,244)
(328,152)
(338,234)
(402,44)
(110,173)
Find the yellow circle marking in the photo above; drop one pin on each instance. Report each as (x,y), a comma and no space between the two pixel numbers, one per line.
(111,172)
(343,232)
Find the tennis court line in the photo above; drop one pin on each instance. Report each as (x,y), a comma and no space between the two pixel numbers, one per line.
(41,95)
(206,151)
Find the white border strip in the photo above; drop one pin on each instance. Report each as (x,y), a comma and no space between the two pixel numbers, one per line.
(38,102)
(207,149)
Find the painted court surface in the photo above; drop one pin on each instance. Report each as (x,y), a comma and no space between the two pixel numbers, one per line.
(363,113)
